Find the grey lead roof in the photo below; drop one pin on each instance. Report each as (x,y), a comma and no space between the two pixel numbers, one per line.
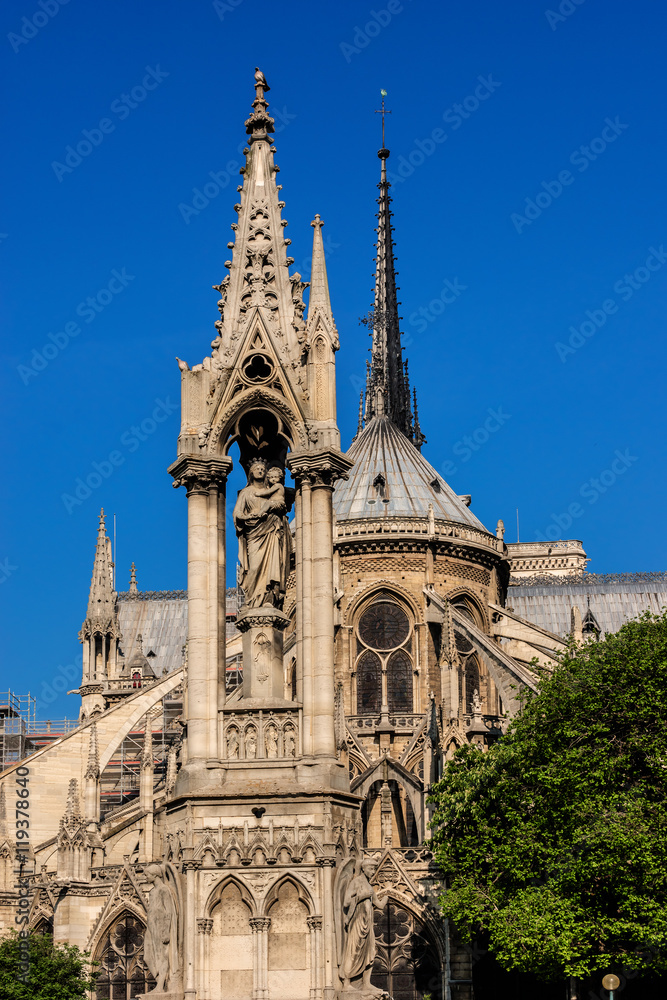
(163,626)
(612,603)
(410,483)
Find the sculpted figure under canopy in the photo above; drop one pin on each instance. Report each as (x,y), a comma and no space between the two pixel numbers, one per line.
(161,939)
(265,541)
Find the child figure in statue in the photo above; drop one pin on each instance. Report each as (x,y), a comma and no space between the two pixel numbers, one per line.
(275,491)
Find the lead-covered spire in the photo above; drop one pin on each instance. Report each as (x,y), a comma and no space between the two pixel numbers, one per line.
(388,391)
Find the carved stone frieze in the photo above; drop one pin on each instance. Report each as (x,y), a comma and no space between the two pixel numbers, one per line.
(269,734)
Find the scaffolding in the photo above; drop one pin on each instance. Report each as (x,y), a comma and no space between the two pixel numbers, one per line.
(17,717)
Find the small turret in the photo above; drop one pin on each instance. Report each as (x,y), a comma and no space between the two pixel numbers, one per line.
(100,633)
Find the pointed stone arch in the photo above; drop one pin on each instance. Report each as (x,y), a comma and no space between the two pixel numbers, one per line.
(368,591)
(303,893)
(215,896)
(464,598)
(225,423)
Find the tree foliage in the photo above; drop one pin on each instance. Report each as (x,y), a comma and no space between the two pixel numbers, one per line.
(56,971)
(554,842)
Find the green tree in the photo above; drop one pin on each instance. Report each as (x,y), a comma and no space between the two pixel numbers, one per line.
(553,844)
(56,971)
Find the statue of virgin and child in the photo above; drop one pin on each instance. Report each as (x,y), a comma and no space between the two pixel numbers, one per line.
(265,540)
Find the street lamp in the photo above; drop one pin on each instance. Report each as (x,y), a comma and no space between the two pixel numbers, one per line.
(611,982)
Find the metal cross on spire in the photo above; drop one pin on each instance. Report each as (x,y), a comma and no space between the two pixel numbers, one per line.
(383,111)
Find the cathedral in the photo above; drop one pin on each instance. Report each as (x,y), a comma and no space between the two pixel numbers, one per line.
(242,810)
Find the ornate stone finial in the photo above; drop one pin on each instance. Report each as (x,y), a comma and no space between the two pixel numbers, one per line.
(260,124)
(319,284)
(500,528)
(133,580)
(360,421)
(73,807)
(417,436)
(93,765)
(147,749)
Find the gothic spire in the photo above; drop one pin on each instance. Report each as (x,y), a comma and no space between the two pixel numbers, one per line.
(388,391)
(101,600)
(319,285)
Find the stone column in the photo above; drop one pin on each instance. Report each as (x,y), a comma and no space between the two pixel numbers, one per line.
(189,943)
(315,949)
(204,928)
(329,960)
(204,479)
(260,952)
(315,474)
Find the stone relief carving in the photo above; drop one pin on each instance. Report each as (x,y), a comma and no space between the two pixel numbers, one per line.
(272,735)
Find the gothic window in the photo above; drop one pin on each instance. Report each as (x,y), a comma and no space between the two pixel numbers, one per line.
(136,680)
(369,683)
(399,682)
(384,665)
(384,626)
(123,973)
(406,961)
(472,683)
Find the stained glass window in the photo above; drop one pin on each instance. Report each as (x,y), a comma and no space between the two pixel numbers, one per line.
(406,962)
(123,973)
(472,682)
(399,682)
(369,683)
(384,625)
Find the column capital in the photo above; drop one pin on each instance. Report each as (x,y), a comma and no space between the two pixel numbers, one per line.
(260,924)
(319,468)
(204,925)
(326,862)
(192,865)
(315,923)
(199,475)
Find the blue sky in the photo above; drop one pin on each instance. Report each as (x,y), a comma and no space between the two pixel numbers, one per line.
(528,150)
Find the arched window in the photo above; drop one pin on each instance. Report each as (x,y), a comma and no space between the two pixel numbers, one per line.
(472,683)
(399,682)
(384,662)
(369,683)
(123,973)
(136,679)
(406,961)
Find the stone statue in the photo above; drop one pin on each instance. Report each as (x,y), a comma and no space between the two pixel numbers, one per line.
(355,901)
(265,541)
(161,943)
